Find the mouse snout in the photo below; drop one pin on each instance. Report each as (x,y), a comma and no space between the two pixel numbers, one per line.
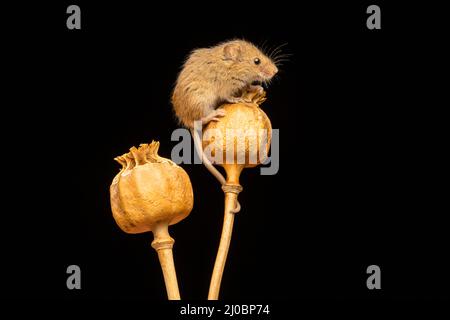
(272,71)
(269,71)
(275,70)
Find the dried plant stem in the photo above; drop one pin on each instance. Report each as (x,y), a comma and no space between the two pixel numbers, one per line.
(163,244)
(224,245)
(231,189)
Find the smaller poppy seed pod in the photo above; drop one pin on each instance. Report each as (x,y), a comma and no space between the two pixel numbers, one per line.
(149,194)
(241,139)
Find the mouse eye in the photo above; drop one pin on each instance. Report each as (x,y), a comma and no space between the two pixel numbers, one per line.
(257,61)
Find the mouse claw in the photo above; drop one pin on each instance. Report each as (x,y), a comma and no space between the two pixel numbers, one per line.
(257,89)
(213,116)
(220,112)
(237,100)
(257,96)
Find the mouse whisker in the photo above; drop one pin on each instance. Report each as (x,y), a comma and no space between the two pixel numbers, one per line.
(277,50)
(272,51)
(263,46)
(280,60)
(281,56)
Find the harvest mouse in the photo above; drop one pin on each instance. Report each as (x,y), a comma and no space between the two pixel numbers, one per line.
(213,76)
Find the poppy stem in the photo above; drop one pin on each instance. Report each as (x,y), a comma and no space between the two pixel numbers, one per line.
(231,189)
(163,244)
(222,252)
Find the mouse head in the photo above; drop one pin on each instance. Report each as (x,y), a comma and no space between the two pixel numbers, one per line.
(248,62)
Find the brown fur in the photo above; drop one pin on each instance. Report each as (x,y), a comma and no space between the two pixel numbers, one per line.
(218,74)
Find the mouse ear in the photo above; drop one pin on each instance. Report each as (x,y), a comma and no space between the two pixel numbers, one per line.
(232,51)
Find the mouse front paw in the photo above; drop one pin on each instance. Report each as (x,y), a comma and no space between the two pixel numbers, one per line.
(213,116)
(255,95)
(237,100)
(256,88)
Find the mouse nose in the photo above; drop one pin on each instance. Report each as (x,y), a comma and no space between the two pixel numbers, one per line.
(274,71)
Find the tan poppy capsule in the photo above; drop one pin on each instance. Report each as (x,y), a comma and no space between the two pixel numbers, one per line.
(149,194)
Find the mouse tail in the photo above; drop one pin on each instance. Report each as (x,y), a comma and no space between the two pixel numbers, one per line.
(198,147)
(216,173)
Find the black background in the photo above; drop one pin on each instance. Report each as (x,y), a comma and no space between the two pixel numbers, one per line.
(357,159)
